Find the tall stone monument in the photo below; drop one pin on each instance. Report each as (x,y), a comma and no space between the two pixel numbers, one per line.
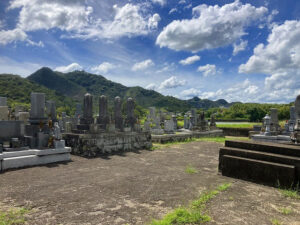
(37,109)
(118,114)
(103,118)
(131,120)
(87,117)
(51,110)
(275,127)
(3,109)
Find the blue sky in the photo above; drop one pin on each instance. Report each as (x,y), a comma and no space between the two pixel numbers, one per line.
(236,50)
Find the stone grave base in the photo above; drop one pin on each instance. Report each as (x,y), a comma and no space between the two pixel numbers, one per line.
(182,136)
(91,145)
(33,157)
(273,139)
(272,164)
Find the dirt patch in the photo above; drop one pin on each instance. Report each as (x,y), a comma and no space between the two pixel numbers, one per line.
(135,187)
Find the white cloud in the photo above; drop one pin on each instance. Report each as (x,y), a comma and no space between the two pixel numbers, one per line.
(103,68)
(182,2)
(244,91)
(161,2)
(79,20)
(10,36)
(211,27)
(208,70)
(189,93)
(69,68)
(153,21)
(151,86)
(190,60)
(172,10)
(142,65)
(239,47)
(280,60)
(63,14)
(172,82)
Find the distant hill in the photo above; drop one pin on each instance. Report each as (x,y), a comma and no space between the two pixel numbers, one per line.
(68,88)
(18,89)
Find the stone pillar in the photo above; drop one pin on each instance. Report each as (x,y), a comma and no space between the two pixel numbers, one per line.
(152,112)
(103,118)
(194,117)
(131,120)
(274,120)
(212,123)
(174,118)
(118,113)
(51,110)
(87,109)
(3,101)
(37,109)
(297,108)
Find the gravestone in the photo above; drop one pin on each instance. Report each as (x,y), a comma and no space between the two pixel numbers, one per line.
(51,110)
(194,117)
(292,120)
(169,126)
(103,118)
(24,116)
(212,124)
(4,112)
(3,101)
(87,117)
(174,118)
(152,112)
(274,120)
(147,125)
(131,120)
(186,123)
(118,113)
(37,108)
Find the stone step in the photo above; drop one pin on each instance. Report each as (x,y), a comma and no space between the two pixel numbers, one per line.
(282,149)
(259,171)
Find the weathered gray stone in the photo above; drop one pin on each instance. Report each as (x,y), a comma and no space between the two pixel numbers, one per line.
(131,120)
(297,107)
(11,129)
(51,110)
(3,101)
(87,110)
(4,112)
(118,113)
(37,110)
(275,127)
(169,126)
(103,118)
(194,117)
(23,116)
(152,113)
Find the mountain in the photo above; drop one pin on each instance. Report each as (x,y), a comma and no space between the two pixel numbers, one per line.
(69,87)
(206,104)
(18,89)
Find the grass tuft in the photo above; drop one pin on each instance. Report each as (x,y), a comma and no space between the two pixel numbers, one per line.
(190,170)
(286,211)
(194,214)
(290,193)
(13,216)
(275,222)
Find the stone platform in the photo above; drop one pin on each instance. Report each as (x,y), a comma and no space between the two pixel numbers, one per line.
(185,136)
(91,145)
(33,157)
(267,163)
(278,139)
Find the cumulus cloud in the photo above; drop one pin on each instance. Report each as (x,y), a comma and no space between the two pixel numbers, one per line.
(182,2)
(9,36)
(151,86)
(142,65)
(103,68)
(172,82)
(210,27)
(190,60)
(239,47)
(244,91)
(208,70)
(190,93)
(78,20)
(280,60)
(69,68)
(161,2)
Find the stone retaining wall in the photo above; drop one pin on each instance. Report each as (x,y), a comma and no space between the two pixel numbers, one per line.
(185,136)
(91,145)
(236,132)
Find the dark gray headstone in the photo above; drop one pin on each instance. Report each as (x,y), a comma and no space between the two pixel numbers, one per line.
(103,118)
(87,109)
(51,110)
(37,109)
(131,120)
(118,113)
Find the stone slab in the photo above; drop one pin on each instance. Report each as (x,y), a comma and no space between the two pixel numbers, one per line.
(259,171)
(33,160)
